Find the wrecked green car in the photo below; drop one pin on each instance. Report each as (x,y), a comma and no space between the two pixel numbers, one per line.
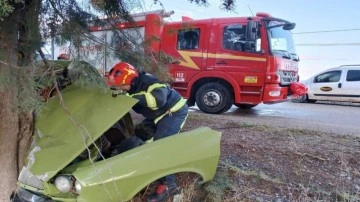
(85,149)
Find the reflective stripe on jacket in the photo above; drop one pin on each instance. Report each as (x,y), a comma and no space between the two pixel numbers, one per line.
(155,98)
(175,108)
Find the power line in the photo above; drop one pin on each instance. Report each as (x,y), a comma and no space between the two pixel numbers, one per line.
(328,44)
(326,31)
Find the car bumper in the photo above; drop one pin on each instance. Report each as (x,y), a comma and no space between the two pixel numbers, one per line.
(23,195)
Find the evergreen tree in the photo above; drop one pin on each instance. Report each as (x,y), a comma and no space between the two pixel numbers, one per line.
(24,26)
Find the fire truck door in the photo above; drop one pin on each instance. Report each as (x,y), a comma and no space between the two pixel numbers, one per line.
(234,57)
(247,67)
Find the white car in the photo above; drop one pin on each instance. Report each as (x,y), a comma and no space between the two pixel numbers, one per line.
(335,84)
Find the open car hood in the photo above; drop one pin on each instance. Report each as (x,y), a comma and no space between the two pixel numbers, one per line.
(63,131)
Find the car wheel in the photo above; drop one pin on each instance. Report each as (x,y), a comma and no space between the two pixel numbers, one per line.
(310,101)
(126,145)
(299,99)
(214,98)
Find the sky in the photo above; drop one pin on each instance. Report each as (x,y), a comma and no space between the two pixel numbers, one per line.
(326,33)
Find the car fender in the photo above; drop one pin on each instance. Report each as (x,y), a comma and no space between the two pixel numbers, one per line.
(119,178)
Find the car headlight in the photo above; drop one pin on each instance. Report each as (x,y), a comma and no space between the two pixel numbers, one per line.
(63,184)
(77,186)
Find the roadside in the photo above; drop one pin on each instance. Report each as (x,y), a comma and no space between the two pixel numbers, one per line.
(324,117)
(266,163)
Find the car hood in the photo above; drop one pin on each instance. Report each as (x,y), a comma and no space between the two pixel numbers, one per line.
(66,126)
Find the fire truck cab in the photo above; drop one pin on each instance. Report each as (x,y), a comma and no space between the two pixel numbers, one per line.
(242,60)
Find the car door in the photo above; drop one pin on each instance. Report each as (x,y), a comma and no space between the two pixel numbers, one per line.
(327,86)
(351,85)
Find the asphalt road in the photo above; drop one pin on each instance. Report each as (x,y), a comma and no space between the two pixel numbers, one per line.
(341,118)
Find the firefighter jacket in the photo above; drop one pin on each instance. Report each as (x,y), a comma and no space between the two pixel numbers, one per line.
(156,99)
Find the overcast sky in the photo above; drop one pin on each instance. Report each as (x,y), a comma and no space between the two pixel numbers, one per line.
(336,24)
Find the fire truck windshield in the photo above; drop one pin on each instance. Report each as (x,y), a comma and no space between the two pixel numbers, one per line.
(281,40)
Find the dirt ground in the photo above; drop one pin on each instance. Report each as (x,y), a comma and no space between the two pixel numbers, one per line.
(262,163)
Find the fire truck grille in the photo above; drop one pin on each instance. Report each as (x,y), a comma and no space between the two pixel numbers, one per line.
(27,178)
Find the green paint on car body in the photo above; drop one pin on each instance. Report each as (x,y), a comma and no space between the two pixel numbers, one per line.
(67,128)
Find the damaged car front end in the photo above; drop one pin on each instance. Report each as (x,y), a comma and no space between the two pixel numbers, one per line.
(75,154)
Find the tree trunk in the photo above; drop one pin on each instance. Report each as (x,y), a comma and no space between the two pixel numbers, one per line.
(15,134)
(9,130)
(26,121)
(15,127)
(9,120)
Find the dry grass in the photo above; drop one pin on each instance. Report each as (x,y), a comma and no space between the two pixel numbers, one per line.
(265,163)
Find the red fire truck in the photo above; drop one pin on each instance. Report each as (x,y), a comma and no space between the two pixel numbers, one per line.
(218,62)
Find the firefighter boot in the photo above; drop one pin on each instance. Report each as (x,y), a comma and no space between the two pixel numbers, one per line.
(163,191)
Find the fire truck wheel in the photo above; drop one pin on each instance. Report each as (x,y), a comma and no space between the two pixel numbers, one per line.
(214,98)
(245,106)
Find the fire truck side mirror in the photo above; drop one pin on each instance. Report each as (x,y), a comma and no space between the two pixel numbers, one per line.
(251,30)
(289,26)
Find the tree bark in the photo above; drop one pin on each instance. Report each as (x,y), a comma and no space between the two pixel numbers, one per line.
(9,120)
(15,128)
(26,126)
(9,130)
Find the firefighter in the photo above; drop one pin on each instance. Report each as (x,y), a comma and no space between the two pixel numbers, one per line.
(164,109)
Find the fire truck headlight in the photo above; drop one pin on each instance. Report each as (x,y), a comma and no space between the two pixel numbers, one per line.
(63,184)
(275,93)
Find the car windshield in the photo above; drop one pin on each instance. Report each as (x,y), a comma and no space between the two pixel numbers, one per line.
(281,40)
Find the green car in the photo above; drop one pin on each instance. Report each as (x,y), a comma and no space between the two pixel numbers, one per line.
(85,149)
